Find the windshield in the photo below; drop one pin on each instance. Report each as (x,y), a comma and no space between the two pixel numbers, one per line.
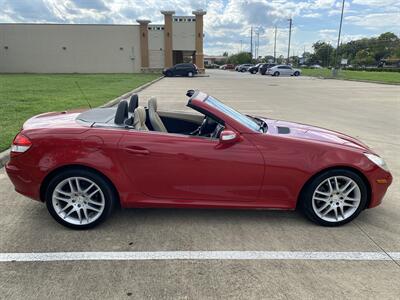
(246,121)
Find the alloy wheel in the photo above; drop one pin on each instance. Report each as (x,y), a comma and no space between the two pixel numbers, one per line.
(336,198)
(78,200)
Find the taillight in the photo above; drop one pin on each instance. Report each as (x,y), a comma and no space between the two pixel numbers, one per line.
(20,144)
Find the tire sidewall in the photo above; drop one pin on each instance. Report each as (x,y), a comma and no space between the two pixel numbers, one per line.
(306,199)
(169,74)
(190,74)
(276,74)
(107,190)
(296,73)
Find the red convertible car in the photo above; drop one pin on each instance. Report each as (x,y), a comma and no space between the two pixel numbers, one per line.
(83,163)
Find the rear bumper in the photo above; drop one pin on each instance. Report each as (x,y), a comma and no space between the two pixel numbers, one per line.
(26,181)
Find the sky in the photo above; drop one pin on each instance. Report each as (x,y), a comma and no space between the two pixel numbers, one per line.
(227,22)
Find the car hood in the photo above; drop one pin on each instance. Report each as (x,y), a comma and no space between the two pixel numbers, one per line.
(308,132)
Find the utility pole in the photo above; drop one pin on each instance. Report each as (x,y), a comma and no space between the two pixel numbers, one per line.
(275,46)
(251,41)
(334,72)
(258,43)
(241,45)
(290,35)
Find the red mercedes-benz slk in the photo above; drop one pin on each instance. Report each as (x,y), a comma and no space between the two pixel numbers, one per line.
(83,163)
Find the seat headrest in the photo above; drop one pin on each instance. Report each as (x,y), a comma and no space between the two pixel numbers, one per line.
(153,103)
(133,103)
(122,113)
(139,118)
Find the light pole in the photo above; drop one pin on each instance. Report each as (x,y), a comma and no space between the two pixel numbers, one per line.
(334,71)
(275,46)
(251,42)
(290,35)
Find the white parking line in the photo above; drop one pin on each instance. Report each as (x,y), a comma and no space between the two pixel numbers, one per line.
(197,255)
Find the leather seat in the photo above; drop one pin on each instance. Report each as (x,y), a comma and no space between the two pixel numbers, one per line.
(133,103)
(154,118)
(139,118)
(122,113)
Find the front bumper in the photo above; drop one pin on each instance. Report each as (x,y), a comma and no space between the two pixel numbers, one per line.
(379,180)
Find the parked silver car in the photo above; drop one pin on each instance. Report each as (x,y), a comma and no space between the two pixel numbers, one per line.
(244,67)
(283,70)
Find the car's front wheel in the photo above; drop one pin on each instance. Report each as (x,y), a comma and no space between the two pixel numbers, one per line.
(334,197)
(297,73)
(190,74)
(79,199)
(276,73)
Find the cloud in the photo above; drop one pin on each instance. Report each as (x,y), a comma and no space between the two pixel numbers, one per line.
(227,22)
(90,4)
(312,15)
(383,21)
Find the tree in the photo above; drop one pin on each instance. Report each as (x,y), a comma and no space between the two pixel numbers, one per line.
(364,58)
(240,58)
(384,46)
(323,53)
(280,59)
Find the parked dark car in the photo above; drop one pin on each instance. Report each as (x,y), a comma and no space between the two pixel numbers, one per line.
(254,69)
(188,70)
(263,68)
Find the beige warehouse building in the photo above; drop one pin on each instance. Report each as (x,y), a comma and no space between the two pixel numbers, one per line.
(83,48)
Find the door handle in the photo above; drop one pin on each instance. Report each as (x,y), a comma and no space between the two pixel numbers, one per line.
(137,150)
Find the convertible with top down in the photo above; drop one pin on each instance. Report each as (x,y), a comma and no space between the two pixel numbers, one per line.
(84,163)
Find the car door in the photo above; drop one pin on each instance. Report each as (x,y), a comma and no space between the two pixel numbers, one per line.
(190,168)
(181,70)
(282,70)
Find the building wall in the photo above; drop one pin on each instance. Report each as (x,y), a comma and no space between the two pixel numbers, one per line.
(52,48)
(156,46)
(183,33)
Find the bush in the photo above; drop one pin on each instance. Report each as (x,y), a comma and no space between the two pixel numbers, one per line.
(373,69)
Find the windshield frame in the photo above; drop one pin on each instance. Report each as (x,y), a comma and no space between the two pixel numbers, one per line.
(244,120)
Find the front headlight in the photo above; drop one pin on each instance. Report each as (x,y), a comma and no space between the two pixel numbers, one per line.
(377,160)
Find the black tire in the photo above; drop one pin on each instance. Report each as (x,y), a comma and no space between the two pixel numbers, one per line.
(190,74)
(276,73)
(297,73)
(168,74)
(262,73)
(308,192)
(108,192)
(253,72)
(242,70)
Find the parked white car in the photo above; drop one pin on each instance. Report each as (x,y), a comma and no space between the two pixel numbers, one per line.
(283,70)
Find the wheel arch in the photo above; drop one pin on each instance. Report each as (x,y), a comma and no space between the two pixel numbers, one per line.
(358,172)
(47,179)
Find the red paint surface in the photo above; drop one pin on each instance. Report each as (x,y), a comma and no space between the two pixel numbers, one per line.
(154,169)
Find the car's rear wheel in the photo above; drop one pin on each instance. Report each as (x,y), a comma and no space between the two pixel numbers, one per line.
(79,199)
(334,197)
(253,72)
(276,73)
(190,74)
(168,74)
(297,73)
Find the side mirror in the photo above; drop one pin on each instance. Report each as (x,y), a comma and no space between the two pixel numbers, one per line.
(228,137)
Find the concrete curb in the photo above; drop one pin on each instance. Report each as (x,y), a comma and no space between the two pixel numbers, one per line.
(5,155)
(129,94)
